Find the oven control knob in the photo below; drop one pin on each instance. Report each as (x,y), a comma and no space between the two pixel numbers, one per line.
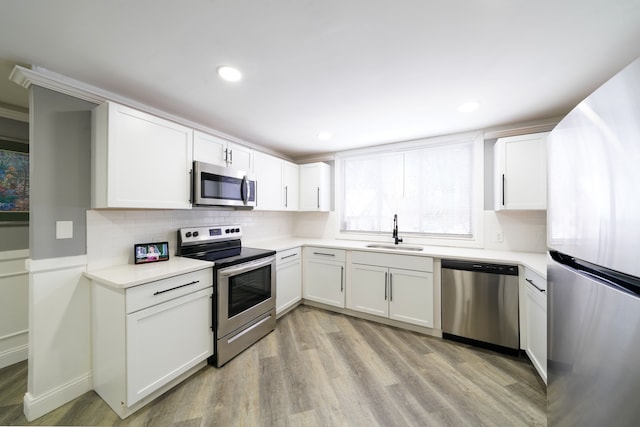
(237,230)
(227,231)
(187,234)
(195,234)
(233,230)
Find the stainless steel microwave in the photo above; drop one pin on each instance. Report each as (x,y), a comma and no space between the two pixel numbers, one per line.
(220,186)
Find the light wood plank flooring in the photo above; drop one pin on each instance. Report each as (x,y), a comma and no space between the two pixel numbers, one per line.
(325,369)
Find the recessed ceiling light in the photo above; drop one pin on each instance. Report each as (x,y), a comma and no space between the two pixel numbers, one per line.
(229,74)
(324,136)
(469,107)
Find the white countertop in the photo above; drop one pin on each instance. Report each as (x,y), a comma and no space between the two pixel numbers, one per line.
(535,261)
(126,276)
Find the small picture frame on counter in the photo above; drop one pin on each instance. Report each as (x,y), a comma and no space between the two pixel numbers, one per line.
(144,253)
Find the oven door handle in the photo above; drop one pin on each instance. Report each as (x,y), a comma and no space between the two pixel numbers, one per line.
(247,266)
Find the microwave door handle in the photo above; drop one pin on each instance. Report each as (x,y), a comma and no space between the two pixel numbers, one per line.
(244,190)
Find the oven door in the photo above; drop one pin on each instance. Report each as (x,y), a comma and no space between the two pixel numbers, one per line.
(245,291)
(219,186)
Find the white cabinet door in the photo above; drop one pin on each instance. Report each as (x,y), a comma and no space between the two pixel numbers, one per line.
(166,340)
(268,172)
(411,296)
(521,172)
(315,187)
(209,149)
(139,160)
(291,187)
(218,151)
(240,157)
(368,289)
(323,276)
(536,322)
(288,279)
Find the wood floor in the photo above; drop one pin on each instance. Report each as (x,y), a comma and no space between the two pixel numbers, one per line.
(325,369)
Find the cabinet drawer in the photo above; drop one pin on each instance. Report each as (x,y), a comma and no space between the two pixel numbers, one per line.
(153,293)
(290,255)
(533,278)
(408,262)
(324,253)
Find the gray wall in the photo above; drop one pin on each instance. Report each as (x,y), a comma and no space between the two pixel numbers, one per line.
(60,155)
(14,237)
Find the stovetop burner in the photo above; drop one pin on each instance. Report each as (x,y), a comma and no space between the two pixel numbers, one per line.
(220,243)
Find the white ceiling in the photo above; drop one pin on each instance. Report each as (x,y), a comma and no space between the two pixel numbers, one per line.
(370,72)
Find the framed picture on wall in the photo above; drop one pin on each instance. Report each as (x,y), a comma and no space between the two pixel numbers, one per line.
(14,182)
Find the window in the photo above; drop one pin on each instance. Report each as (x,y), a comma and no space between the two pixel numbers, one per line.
(429,186)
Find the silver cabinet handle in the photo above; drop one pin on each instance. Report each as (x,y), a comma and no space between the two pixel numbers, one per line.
(230,156)
(289,256)
(318,197)
(502,189)
(385,285)
(323,254)
(390,287)
(341,279)
(534,285)
(286,196)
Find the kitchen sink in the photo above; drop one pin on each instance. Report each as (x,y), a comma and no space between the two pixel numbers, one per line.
(394,247)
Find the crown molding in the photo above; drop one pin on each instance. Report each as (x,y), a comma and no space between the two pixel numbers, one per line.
(538,126)
(42,77)
(10,113)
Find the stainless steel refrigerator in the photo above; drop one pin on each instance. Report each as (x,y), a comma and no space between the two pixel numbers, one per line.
(594,242)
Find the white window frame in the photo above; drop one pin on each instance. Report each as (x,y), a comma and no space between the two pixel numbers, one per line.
(474,241)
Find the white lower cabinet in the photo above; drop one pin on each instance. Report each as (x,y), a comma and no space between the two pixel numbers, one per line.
(536,321)
(324,275)
(288,279)
(399,287)
(147,336)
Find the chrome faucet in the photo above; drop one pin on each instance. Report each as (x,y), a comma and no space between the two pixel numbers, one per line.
(395,229)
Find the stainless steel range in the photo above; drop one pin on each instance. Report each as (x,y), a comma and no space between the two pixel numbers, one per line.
(244,308)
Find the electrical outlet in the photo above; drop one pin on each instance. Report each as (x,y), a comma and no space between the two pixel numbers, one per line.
(499,236)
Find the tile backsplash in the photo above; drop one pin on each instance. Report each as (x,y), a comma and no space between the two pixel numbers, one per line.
(520,231)
(111,234)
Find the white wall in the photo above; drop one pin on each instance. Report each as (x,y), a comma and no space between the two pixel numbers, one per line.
(111,234)
(14,322)
(59,338)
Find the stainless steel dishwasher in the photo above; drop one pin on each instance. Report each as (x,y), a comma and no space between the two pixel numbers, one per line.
(480,304)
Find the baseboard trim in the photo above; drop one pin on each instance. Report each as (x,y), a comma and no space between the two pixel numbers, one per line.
(14,355)
(37,406)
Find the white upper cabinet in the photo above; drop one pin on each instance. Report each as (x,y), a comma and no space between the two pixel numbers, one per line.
(139,160)
(267,170)
(290,186)
(315,187)
(520,178)
(277,188)
(217,151)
